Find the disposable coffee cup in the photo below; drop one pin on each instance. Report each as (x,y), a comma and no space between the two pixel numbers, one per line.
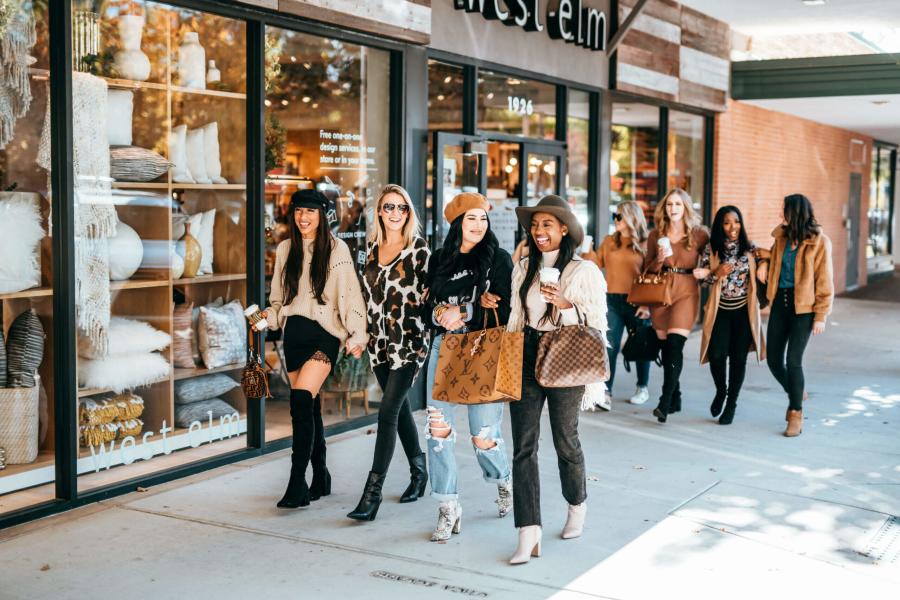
(550,275)
(256,318)
(666,245)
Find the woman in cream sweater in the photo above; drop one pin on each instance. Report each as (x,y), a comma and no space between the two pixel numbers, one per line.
(317,303)
(554,235)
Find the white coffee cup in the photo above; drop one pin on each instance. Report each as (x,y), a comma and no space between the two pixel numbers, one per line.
(257,320)
(549,275)
(666,245)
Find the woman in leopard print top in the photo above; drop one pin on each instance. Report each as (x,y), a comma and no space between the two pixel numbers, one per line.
(394,288)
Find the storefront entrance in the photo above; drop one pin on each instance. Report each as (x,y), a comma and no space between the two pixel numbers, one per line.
(495,166)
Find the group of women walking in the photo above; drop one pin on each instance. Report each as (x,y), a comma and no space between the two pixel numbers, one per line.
(409,299)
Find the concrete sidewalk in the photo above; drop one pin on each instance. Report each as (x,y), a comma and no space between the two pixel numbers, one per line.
(685,510)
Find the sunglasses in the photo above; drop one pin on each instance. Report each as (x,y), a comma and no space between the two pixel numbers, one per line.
(389,207)
(618,217)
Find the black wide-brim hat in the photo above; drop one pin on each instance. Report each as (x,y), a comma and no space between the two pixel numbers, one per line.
(309,199)
(557,207)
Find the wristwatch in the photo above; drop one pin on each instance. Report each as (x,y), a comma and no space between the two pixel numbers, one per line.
(463,312)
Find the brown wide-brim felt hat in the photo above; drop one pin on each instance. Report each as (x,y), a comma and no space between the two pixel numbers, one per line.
(557,207)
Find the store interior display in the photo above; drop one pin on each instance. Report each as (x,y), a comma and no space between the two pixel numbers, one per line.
(24,350)
(128,336)
(21,232)
(221,334)
(213,74)
(130,61)
(178,154)
(202,411)
(111,417)
(190,251)
(182,337)
(192,62)
(203,388)
(134,164)
(196,161)
(19,38)
(122,372)
(85,39)
(119,117)
(126,251)
(20,394)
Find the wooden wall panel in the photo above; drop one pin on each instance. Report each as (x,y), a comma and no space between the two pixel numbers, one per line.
(667,10)
(705,34)
(650,52)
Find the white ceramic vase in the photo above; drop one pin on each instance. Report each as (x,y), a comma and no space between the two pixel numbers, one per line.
(192,62)
(130,62)
(213,74)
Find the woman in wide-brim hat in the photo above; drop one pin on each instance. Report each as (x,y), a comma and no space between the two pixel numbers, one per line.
(554,235)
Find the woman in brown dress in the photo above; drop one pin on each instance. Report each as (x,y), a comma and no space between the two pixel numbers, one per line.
(675,246)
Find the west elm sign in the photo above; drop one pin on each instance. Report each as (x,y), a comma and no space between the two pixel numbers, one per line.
(566,20)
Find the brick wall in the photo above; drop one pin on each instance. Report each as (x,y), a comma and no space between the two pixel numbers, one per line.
(761,156)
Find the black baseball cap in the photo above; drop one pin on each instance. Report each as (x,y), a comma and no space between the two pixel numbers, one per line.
(309,199)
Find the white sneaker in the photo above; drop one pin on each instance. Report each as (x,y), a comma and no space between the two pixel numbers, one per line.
(641,395)
(605,403)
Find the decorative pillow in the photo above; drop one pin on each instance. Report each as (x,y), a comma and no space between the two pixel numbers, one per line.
(196,163)
(195,321)
(132,427)
(24,349)
(127,336)
(182,337)
(119,110)
(122,372)
(222,334)
(203,388)
(126,252)
(185,414)
(211,152)
(21,232)
(131,163)
(178,155)
(205,235)
(2,359)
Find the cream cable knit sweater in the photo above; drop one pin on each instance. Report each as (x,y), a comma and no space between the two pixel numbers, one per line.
(583,285)
(344,313)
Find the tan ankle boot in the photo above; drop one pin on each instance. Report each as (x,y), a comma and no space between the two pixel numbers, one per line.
(795,423)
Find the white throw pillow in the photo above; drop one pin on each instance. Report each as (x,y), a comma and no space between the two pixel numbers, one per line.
(127,336)
(21,232)
(178,155)
(222,334)
(122,372)
(119,110)
(205,237)
(195,160)
(211,153)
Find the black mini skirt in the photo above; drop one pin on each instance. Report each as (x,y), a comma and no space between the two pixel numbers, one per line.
(302,338)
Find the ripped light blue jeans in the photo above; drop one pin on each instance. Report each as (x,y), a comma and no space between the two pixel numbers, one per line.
(484,423)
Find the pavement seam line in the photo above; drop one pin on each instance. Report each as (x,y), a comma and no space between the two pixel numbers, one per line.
(336,546)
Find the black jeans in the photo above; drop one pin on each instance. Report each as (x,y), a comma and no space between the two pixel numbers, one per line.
(729,343)
(564,405)
(788,331)
(621,315)
(394,416)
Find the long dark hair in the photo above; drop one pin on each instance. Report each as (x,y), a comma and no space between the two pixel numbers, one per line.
(567,248)
(717,237)
(449,258)
(318,269)
(801,222)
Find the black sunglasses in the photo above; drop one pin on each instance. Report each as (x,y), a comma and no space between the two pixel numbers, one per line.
(618,217)
(389,207)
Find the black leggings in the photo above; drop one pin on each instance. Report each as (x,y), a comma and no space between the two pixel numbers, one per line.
(395,416)
(729,343)
(788,331)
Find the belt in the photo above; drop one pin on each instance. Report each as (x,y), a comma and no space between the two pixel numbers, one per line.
(679,270)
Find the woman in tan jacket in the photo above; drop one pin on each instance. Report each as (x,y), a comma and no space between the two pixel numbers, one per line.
(801,290)
(731,323)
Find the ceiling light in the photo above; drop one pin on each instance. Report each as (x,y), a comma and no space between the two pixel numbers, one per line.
(814,2)
(508,168)
(513,160)
(440,97)
(293,59)
(268,102)
(284,102)
(306,99)
(448,79)
(490,95)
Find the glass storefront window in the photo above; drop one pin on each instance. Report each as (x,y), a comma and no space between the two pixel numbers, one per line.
(880,198)
(686,149)
(159,134)
(327,127)
(27,447)
(445,113)
(634,157)
(578,121)
(516,106)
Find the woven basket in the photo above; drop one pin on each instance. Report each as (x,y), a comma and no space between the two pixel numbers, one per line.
(20,423)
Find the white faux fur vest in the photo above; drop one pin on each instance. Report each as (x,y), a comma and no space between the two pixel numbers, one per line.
(583,285)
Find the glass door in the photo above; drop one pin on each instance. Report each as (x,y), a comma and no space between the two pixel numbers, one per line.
(543,170)
(459,166)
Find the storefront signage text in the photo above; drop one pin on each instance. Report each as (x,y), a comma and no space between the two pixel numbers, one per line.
(566,20)
(519,105)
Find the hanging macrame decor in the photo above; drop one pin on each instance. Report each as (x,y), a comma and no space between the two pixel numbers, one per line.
(17,37)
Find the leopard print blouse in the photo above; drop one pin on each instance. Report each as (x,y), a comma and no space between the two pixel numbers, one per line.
(395,303)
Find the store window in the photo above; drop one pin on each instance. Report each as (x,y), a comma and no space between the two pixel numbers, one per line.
(881,195)
(327,127)
(578,121)
(159,135)
(686,150)
(26,294)
(634,157)
(516,106)
(445,113)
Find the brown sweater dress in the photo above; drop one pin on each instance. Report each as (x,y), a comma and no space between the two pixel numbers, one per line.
(685,307)
(622,264)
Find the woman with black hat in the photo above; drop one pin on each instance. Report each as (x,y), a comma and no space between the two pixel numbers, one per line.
(567,287)
(468,274)
(317,303)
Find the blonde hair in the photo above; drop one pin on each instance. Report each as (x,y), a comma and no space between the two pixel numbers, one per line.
(691,219)
(633,217)
(410,229)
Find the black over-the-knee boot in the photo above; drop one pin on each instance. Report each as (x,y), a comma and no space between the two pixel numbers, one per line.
(673,360)
(321,479)
(303,425)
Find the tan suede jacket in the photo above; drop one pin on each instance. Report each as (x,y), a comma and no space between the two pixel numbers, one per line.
(813,274)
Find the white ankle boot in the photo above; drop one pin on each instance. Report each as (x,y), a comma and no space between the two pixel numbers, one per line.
(449,521)
(529,544)
(641,395)
(575,521)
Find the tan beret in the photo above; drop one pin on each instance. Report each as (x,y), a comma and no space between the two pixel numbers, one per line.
(462,203)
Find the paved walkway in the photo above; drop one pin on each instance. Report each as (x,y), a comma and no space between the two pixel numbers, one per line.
(686,510)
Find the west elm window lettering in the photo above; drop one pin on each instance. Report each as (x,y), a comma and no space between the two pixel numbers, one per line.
(566,20)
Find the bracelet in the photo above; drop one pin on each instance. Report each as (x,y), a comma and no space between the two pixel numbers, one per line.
(439,310)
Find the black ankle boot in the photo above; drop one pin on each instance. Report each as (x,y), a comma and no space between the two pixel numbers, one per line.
(297,493)
(660,413)
(675,403)
(716,407)
(728,414)
(321,481)
(321,484)
(371,499)
(418,478)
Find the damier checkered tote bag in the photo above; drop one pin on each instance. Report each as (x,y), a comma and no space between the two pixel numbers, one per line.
(571,356)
